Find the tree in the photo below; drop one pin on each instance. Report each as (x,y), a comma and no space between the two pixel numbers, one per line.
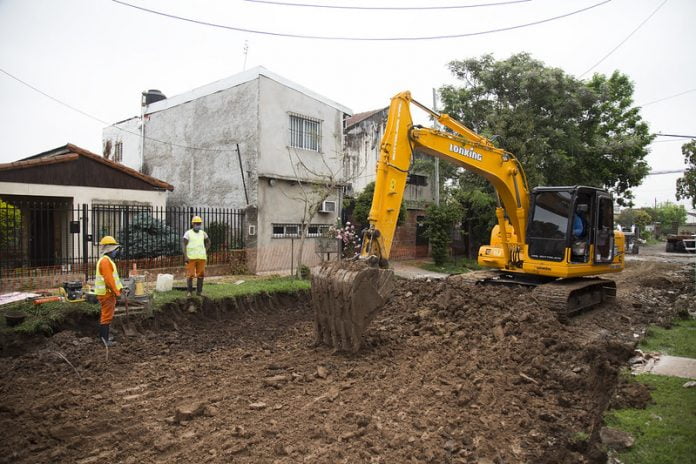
(363,202)
(311,193)
(10,227)
(148,237)
(439,221)
(670,215)
(564,131)
(686,185)
(478,212)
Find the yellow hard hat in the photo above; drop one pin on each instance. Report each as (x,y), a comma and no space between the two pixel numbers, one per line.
(108,240)
(196,220)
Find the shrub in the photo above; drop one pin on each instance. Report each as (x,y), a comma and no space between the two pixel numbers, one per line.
(438,228)
(148,237)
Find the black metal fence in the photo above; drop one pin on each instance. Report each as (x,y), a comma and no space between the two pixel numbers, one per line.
(62,238)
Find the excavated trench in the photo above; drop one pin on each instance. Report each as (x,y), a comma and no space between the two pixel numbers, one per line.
(446,373)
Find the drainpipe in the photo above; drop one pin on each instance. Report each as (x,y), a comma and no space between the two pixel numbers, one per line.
(142,132)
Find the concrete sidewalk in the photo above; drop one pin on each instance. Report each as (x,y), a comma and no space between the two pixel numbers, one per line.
(672,366)
(411,272)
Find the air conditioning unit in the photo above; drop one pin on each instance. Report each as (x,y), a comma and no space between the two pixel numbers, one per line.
(328,207)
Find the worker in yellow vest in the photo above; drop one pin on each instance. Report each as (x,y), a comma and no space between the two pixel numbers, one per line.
(107,285)
(195,244)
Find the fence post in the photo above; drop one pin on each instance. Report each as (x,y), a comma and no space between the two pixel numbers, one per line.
(85,237)
(126,246)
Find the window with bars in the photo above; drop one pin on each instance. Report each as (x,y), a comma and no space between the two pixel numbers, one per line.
(305,133)
(118,152)
(293,230)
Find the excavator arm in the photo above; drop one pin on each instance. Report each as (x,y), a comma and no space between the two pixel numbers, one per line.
(461,147)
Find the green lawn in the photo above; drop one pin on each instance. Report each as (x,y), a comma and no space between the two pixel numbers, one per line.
(47,317)
(665,432)
(680,340)
(226,290)
(456,266)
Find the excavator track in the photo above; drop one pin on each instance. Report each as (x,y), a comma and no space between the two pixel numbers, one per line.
(565,297)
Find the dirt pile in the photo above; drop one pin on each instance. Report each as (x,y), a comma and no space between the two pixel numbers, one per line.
(447,373)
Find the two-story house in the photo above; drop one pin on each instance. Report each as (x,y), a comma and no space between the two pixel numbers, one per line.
(254,140)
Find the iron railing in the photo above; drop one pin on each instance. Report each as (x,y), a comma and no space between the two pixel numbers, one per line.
(62,238)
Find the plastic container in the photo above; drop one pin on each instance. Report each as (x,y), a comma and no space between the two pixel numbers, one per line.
(165,282)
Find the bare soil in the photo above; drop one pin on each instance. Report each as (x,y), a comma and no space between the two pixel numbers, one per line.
(448,373)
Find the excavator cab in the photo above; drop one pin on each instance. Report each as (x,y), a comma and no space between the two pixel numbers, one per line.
(571,224)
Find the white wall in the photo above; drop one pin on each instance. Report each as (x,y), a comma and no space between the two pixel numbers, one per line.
(128,134)
(86,195)
(219,121)
(276,157)
(283,203)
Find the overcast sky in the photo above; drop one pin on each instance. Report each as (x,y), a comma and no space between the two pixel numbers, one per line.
(98,56)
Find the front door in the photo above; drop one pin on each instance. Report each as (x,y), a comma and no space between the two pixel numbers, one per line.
(604,230)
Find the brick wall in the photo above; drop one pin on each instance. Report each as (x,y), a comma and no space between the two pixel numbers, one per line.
(404,244)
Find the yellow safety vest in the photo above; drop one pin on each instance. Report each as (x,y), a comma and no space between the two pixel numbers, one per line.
(100,283)
(195,248)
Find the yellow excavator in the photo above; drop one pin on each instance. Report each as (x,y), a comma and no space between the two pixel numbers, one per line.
(550,239)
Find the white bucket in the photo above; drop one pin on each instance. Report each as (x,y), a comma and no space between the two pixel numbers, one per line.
(165,282)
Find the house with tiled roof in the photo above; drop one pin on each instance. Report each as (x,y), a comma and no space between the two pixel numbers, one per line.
(42,199)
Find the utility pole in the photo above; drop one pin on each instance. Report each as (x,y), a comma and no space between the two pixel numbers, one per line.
(437,160)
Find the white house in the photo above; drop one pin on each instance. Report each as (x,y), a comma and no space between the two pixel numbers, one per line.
(253,140)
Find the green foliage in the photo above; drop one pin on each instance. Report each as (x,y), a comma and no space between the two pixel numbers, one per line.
(665,432)
(217,233)
(362,204)
(10,226)
(304,272)
(686,185)
(629,216)
(563,131)
(478,212)
(439,221)
(148,237)
(676,341)
(668,214)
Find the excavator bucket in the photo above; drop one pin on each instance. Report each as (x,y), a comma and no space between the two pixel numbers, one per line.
(346,296)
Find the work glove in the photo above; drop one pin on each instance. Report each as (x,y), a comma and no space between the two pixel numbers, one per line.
(124,294)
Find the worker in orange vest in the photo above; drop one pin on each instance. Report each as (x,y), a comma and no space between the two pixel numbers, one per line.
(107,285)
(195,244)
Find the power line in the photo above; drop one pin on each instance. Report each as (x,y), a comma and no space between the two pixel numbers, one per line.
(389,8)
(624,40)
(678,136)
(319,37)
(67,105)
(667,98)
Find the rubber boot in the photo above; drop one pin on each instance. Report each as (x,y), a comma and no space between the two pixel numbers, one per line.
(199,286)
(104,335)
(189,286)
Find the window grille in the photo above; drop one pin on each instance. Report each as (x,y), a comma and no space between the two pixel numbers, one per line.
(293,230)
(415,179)
(305,133)
(118,152)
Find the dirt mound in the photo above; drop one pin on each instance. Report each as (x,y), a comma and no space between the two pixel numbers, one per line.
(447,373)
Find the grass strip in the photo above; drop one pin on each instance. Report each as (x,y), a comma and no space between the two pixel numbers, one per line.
(47,317)
(458,266)
(680,340)
(665,432)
